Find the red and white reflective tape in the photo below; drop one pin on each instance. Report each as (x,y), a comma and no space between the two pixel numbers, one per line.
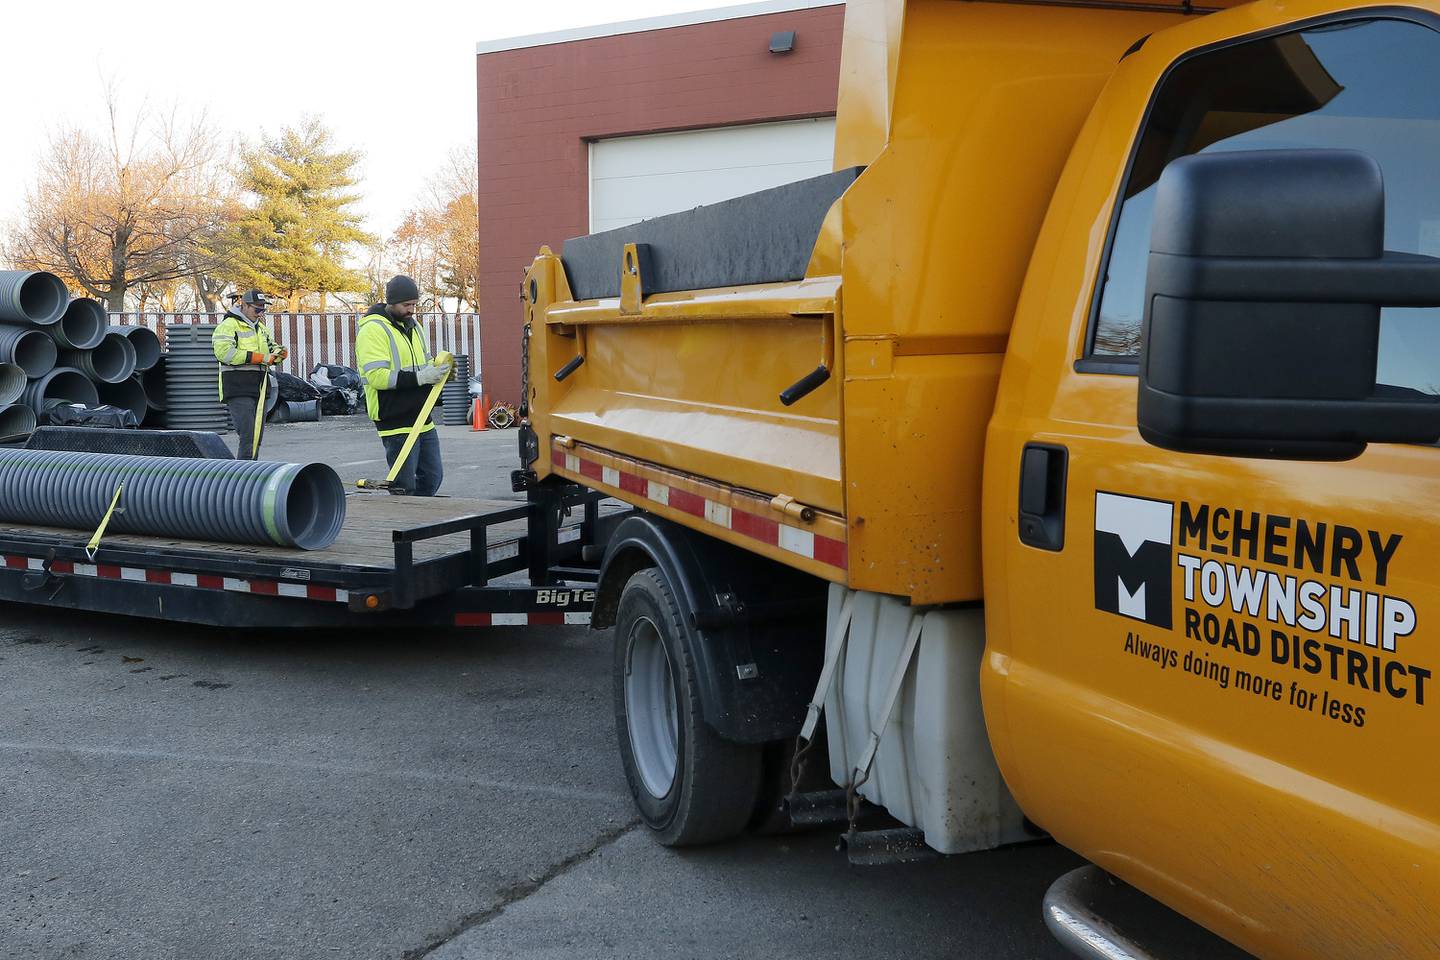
(552,618)
(203,581)
(754,526)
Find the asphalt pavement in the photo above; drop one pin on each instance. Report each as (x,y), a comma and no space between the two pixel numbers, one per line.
(176,792)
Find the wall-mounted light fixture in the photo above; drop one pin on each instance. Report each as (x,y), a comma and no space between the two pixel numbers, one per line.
(782,41)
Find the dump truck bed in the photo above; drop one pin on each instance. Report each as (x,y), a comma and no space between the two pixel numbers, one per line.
(814,366)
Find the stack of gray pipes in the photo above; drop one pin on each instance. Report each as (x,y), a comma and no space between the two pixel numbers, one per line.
(57,350)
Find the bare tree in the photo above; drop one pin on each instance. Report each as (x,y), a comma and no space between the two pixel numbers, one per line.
(131,207)
(209,261)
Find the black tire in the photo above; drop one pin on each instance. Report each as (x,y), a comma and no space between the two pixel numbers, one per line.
(715,782)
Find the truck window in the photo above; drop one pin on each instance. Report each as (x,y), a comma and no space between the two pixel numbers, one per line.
(1365,85)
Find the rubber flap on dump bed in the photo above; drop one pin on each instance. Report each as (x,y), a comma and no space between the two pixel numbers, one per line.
(764,237)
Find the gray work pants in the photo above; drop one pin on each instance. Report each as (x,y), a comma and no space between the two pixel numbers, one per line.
(242,415)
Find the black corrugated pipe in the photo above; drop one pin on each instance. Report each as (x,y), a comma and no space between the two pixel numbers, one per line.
(128,393)
(191,380)
(236,501)
(304,411)
(32,296)
(12,382)
(82,327)
(62,383)
(29,349)
(154,383)
(145,342)
(296,411)
(110,362)
(16,420)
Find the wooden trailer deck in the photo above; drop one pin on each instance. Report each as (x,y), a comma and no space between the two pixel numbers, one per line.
(366,539)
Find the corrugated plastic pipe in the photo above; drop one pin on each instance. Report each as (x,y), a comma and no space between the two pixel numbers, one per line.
(128,393)
(12,383)
(16,420)
(62,383)
(31,350)
(110,362)
(32,296)
(154,382)
(237,501)
(143,339)
(82,327)
(299,411)
(192,400)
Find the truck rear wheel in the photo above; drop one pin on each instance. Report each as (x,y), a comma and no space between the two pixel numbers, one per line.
(690,785)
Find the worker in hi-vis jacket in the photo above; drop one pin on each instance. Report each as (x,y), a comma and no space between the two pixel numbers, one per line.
(399,374)
(245,350)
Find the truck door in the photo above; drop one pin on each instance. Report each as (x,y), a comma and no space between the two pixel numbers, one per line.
(1215,676)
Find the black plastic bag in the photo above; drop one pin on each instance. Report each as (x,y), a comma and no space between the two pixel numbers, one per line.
(79,415)
(339,402)
(293,388)
(346,378)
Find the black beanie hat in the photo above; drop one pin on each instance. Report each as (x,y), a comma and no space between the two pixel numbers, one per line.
(401,288)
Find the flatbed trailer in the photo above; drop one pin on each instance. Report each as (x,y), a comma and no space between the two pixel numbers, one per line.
(412,561)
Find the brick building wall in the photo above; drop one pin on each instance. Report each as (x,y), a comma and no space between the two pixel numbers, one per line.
(540,106)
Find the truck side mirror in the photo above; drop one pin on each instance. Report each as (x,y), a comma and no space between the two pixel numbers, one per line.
(1266,276)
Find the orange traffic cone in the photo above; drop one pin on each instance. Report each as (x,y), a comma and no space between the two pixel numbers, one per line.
(479,413)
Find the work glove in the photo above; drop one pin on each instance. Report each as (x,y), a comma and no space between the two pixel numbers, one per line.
(431,374)
(280,354)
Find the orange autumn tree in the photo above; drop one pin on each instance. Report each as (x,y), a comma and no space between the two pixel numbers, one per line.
(132,210)
(437,242)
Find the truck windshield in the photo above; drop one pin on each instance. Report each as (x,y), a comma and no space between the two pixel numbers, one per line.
(1368,85)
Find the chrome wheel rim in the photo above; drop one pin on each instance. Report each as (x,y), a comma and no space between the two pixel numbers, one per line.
(650,708)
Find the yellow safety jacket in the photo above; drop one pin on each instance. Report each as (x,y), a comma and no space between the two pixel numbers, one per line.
(240,346)
(388,354)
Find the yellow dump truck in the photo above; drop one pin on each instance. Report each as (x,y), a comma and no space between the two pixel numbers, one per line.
(1069,451)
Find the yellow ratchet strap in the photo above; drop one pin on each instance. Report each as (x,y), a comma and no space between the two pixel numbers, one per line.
(259,415)
(415,432)
(94,543)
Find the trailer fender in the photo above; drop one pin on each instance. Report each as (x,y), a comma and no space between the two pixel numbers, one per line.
(759,626)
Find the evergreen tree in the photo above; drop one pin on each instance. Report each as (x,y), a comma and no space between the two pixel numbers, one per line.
(296,237)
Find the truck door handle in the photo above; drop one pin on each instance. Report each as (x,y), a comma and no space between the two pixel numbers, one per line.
(1042,495)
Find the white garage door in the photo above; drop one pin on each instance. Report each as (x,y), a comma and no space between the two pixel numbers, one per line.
(635,178)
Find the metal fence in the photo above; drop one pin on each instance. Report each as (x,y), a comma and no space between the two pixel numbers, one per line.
(315,338)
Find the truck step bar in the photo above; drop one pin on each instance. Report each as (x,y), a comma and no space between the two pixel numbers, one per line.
(1084,907)
(820,808)
(879,848)
(576,574)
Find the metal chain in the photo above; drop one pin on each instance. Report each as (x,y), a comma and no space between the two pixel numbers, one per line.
(525,373)
(853,800)
(797,764)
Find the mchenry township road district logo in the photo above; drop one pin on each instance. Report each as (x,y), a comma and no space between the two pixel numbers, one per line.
(1133,557)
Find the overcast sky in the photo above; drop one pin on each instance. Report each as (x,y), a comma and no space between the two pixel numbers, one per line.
(396,80)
